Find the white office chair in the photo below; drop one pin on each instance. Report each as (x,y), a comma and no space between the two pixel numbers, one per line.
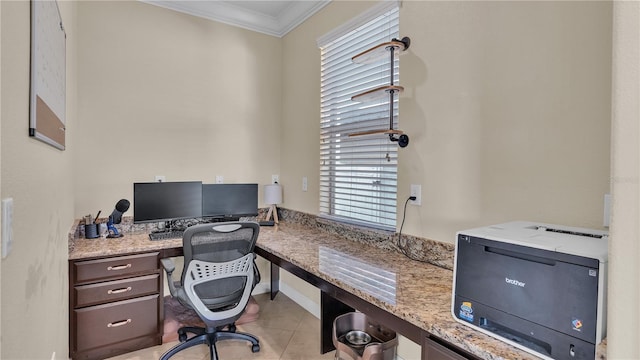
(217,280)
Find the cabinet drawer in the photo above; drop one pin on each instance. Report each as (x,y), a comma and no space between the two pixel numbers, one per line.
(92,270)
(114,322)
(434,351)
(109,291)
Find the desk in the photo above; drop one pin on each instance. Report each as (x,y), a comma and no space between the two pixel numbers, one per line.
(411,297)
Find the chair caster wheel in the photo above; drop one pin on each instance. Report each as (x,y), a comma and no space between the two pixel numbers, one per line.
(182,336)
(232,328)
(255,348)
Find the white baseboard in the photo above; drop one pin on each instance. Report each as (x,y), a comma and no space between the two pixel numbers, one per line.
(300,299)
(291,293)
(261,288)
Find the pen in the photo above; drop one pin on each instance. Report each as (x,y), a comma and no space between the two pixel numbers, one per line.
(98,214)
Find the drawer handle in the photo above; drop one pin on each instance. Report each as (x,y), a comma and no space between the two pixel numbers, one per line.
(119,323)
(119,267)
(119,291)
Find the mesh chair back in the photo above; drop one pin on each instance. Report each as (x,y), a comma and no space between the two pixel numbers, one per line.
(219,243)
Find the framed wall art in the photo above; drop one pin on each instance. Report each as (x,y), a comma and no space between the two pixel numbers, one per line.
(47,104)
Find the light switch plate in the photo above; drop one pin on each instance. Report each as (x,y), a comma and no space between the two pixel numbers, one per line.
(304,183)
(7,226)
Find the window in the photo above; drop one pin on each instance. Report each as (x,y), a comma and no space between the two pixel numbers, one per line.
(358,175)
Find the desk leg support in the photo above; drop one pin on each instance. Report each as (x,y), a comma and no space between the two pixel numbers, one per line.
(330,308)
(275,280)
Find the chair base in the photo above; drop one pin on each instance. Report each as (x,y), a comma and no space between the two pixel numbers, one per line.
(202,336)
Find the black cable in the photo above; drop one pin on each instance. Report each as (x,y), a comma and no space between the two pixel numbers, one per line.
(404,214)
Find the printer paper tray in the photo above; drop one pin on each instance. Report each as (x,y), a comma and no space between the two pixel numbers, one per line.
(526,335)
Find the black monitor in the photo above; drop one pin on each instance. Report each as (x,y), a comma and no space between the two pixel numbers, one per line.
(166,201)
(229,200)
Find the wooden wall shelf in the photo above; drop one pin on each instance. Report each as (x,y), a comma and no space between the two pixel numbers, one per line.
(379,51)
(377,93)
(381,131)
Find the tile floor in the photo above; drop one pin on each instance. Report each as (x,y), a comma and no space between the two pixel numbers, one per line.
(286,332)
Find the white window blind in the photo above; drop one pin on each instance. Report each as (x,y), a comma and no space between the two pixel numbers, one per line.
(358,175)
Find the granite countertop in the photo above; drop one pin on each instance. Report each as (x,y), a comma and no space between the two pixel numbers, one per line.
(133,240)
(415,291)
(412,290)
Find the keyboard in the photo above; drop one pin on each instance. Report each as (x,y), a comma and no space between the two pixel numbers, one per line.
(166,235)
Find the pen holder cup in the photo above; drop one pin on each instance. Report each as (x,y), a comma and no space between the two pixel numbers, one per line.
(91,231)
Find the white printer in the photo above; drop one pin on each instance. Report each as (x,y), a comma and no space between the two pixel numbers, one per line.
(539,287)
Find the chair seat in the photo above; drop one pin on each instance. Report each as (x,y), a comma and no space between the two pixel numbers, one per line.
(220,302)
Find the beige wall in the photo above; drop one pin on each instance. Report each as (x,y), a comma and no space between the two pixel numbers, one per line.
(508,108)
(39,179)
(0,176)
(164,93)
(624,248)
(507,105)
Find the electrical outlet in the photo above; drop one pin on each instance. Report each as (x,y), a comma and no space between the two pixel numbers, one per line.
(275,179)
(7,226)
(160,178)
(304,183)
(416,190)
(219,179)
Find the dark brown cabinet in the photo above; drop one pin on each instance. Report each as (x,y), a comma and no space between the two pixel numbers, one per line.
(115,305)
(432,350)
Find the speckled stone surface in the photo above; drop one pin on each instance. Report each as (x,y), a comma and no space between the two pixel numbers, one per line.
(416,291)
(433,252)
(601,350)
(422,293)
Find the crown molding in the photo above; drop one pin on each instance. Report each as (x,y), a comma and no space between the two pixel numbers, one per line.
(229,13)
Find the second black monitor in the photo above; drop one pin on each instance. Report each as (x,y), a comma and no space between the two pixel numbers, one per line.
(229,200)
